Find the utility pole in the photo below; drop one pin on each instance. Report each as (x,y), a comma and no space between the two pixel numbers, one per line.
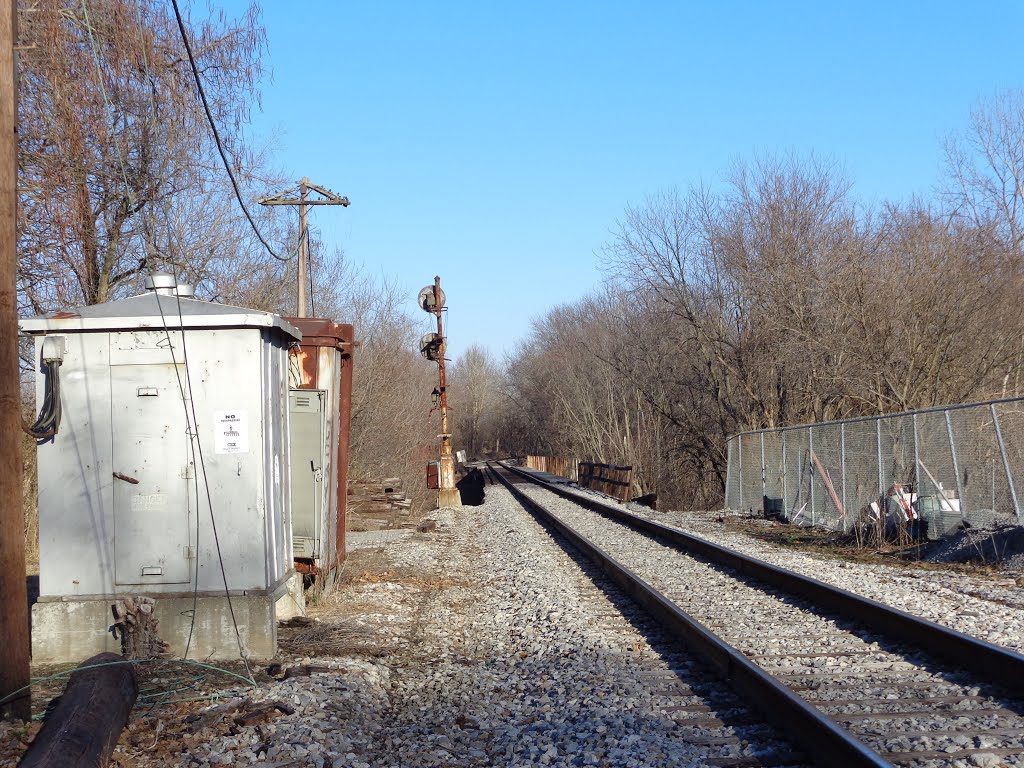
(447,495)
(14,636)
(288,197)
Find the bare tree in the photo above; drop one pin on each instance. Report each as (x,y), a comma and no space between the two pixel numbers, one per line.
(113,137)
(986,171)
(474,385)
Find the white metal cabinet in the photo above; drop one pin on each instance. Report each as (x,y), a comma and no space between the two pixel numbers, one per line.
(151,473)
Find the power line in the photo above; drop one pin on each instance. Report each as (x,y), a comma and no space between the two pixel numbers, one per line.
(191,424)
(216,133)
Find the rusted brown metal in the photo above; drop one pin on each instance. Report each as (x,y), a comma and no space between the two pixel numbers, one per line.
(314,362)
(347,346)
(306,568)
(448,494)
(303,358)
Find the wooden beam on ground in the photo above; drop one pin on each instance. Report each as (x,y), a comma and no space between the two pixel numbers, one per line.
(84,727)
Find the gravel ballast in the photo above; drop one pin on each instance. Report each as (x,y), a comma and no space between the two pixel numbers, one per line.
(482,643)
(516,660)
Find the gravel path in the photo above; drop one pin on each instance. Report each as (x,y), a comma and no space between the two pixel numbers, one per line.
(515,659)
(484,644)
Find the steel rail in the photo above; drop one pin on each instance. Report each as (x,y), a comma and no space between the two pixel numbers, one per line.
(992,663)
(825,742)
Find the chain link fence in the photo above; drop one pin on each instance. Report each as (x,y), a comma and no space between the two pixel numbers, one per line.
(934,469)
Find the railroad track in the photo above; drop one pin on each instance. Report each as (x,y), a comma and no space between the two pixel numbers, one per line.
(847,679)
(655,679)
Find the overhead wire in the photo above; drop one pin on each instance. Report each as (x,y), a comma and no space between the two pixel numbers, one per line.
(191,425)
(216,133)
(193,430)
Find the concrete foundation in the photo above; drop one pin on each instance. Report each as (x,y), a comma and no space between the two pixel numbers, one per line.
(448,498)
(293,601)
(66,630)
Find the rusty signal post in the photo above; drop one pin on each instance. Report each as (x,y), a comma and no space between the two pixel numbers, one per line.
(433,345)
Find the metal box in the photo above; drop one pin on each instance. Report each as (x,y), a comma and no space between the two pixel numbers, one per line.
(320,375)
(309,459)
(174,416)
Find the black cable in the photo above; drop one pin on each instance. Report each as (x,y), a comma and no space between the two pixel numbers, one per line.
(206,482)
(216,133)
(193,428)
(48,420)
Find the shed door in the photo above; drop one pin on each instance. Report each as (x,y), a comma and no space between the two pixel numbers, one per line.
(150,446)
(308,462)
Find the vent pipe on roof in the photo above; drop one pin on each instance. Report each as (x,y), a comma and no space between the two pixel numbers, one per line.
(161,283)
(166,285)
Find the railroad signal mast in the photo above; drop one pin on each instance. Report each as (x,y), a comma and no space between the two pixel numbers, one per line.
(433,346)
(288,197)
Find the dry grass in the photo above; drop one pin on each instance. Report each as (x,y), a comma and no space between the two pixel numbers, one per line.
(30,495)
(338,637)
(823,541)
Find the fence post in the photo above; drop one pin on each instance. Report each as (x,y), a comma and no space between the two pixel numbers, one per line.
(842,469)
(739,452)
(810,467)
(917,466)
(956,465)
(878,447)
(785,471)
(1006,461)
(729,469)
(764,475)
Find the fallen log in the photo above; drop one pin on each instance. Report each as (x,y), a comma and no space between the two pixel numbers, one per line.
(83,729)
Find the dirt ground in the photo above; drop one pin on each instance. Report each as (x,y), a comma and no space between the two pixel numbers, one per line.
(354,617)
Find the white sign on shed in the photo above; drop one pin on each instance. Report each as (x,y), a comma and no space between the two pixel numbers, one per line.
(231,430)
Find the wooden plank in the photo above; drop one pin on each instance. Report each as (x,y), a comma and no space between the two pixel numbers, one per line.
(937,714)
(907,757)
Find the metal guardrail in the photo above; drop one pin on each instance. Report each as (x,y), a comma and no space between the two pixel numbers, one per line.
(609,479)
(942,466)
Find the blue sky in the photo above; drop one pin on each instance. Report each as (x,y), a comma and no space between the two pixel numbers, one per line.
(496,144)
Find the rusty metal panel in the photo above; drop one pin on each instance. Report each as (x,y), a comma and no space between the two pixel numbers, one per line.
(324,361)
(433,475)
(302,366)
